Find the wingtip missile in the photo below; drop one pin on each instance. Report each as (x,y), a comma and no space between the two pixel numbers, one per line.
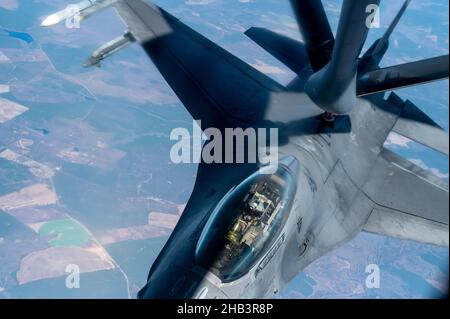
(83,9)
(66,13)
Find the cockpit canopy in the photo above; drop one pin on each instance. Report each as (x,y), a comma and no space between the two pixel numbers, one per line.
(246,222)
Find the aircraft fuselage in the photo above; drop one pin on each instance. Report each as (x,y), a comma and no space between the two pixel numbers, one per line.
(328,209)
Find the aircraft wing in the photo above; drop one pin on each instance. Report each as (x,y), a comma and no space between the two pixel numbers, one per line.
(409,202)
(214,85)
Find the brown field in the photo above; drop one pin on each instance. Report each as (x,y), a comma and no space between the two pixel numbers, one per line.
(131,233)
(52,262)
(35,195)
(10,110)
(163,220)
(37,169)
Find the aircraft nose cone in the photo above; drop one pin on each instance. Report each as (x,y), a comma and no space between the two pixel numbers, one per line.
(207,290)
(180,285)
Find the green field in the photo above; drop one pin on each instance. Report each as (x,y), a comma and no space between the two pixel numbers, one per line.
(64,232)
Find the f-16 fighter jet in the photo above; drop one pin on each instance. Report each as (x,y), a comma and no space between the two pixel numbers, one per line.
(249,228)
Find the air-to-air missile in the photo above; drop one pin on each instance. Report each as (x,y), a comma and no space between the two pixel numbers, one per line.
(108,49)
(82,10)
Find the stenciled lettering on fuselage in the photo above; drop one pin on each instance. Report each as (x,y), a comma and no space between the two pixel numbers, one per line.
(270,255)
